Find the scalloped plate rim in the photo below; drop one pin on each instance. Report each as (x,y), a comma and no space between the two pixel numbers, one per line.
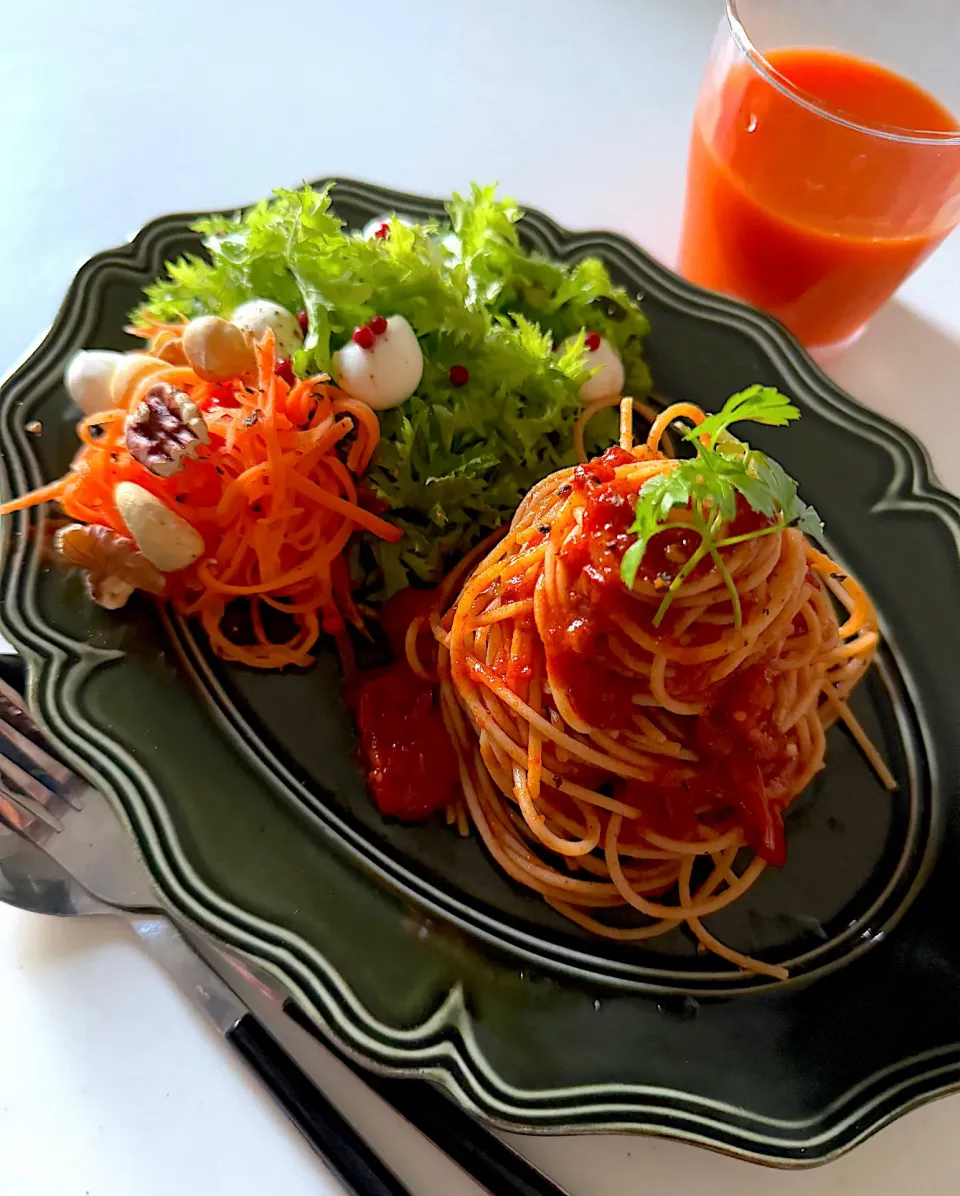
(442,1047)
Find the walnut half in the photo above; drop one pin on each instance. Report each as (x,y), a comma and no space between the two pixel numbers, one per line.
(165,428)
(112,565)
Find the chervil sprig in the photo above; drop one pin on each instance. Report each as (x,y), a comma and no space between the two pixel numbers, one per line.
(703,491)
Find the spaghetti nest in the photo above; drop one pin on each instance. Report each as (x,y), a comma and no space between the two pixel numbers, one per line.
(612,762)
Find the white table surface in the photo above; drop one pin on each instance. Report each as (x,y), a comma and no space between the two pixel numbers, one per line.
(116,112)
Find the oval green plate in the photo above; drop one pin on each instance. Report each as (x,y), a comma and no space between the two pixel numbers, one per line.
(406,943)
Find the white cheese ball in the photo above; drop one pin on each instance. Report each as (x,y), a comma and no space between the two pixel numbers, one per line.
(89,379)
(131,369)
(609,377)
(260,315)
(386,374)
(372,227)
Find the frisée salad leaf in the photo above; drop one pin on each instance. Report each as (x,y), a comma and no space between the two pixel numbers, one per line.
(453,461)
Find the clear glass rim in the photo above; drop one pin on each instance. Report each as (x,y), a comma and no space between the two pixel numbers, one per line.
(782,84)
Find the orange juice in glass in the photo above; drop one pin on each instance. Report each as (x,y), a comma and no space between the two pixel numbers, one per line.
(821,172)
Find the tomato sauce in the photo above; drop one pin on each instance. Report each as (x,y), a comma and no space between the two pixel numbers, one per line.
(576,650)
(744,750)
(602,468)
(742,755)
(412,766)
(814,220)
(396,615)
(579,654)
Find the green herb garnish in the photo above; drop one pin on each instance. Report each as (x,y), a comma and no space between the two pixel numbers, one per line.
(706,488)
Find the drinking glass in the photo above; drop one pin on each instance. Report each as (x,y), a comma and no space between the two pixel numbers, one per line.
(825,156)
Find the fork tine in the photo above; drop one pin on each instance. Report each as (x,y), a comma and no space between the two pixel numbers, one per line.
(28,805)
(43,760)
(24,782)
(12,706)
(68,794)
(13,816)
(28,739)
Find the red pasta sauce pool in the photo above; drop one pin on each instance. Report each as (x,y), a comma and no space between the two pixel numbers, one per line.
(411,764)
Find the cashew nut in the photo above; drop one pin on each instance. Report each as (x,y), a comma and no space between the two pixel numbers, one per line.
(164,538)
(217,350)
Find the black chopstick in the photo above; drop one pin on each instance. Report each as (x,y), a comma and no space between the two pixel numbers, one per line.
(493,1164)
(335,1140)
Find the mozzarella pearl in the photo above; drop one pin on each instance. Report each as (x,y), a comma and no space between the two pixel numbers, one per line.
(132,369)
(369,230)
(609,376)
(260,316)
(387,373)
(89,379)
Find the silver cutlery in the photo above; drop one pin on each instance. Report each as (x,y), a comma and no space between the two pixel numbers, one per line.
(64,851)
(33,881)
(33,817)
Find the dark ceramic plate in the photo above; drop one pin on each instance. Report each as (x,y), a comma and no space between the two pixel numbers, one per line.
(405,942)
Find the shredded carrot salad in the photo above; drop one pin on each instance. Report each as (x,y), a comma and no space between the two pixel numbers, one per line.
(273,497)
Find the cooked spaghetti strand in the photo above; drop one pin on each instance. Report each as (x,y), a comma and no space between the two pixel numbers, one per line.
(608,760)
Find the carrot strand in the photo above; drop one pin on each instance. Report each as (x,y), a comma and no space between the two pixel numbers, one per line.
(270,495)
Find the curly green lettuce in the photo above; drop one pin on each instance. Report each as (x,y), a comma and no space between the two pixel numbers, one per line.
(453,462)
